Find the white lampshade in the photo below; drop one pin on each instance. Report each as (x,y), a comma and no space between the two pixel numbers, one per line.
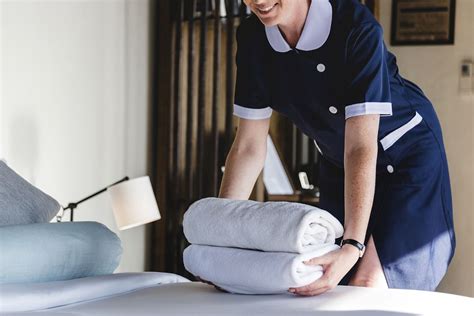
(134,203)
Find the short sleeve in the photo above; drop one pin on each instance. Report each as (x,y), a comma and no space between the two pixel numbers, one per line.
(251,96)
(369,82)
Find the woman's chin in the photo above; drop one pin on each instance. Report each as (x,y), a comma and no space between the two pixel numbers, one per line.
(268,21)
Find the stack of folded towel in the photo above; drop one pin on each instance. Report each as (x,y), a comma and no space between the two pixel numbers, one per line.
(251,247)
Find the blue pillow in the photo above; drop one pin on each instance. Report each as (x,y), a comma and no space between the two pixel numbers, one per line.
(57,251)
(21,202)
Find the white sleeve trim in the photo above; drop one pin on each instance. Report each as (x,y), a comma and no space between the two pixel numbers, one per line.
(382,108)
(252,114)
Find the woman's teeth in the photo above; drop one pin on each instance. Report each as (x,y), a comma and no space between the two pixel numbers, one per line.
(267,9)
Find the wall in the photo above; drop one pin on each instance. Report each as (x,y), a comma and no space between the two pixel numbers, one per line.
(74,101)
(436,69)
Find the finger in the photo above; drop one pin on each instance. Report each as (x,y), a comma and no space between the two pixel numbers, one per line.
(309,287)
(316,261)
(323,260)
(315,289)
(319,283)
(306,288)
(320,289)
(314,292)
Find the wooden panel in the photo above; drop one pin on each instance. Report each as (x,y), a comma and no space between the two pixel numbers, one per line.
(160,38)
(174,148)
(185,133)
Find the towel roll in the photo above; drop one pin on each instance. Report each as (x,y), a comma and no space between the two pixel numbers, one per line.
(266,226)
(253,272)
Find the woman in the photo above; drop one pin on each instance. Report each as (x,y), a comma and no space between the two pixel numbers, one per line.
(384,175)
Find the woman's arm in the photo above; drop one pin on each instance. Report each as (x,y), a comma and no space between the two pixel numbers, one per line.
(245,159)
(360,156)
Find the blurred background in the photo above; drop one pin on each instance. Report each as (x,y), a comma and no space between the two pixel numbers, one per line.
(93,90)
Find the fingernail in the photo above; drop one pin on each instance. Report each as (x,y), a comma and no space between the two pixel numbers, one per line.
(292,290)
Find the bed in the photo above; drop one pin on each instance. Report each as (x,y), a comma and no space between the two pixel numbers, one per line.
(169,294)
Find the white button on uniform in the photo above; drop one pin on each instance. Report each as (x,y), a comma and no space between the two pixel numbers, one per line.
(333,109)
(390,169)
(321,67)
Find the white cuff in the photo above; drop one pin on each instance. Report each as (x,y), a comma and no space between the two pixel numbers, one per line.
(382,108)
(252,114)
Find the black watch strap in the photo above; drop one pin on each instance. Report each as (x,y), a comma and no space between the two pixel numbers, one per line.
(356,244)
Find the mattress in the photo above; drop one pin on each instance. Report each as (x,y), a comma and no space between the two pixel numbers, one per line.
(192,298)
(23,297)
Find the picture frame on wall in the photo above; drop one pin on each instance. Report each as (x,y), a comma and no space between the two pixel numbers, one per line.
(423,22)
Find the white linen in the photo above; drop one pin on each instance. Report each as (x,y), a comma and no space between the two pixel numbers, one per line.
(253,272)
(36,296)
(267,226)
(194,298)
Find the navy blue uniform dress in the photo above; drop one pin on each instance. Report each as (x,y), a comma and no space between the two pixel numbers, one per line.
(340,68)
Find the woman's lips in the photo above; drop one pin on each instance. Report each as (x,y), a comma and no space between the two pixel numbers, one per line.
(266,10)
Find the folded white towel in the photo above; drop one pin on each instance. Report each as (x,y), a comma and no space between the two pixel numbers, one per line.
(253,272)
(267,226)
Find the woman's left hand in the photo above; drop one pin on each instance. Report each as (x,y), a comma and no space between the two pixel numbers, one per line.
(335,265)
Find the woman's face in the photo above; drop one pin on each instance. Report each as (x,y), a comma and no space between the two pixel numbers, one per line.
(273,12)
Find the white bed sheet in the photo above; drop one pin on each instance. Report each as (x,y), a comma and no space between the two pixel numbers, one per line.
(201,299)
(38,296)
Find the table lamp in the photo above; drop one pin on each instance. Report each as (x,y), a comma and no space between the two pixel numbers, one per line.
(133,202)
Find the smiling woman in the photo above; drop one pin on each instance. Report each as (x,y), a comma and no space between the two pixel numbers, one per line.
(324,65)
(377,133)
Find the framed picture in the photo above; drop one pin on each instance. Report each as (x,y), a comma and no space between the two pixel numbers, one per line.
(423,22)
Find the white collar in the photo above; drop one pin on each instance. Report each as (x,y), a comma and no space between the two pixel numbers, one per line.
(315,31)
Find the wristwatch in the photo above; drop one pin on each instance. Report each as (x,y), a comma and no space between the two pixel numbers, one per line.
(356,244)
